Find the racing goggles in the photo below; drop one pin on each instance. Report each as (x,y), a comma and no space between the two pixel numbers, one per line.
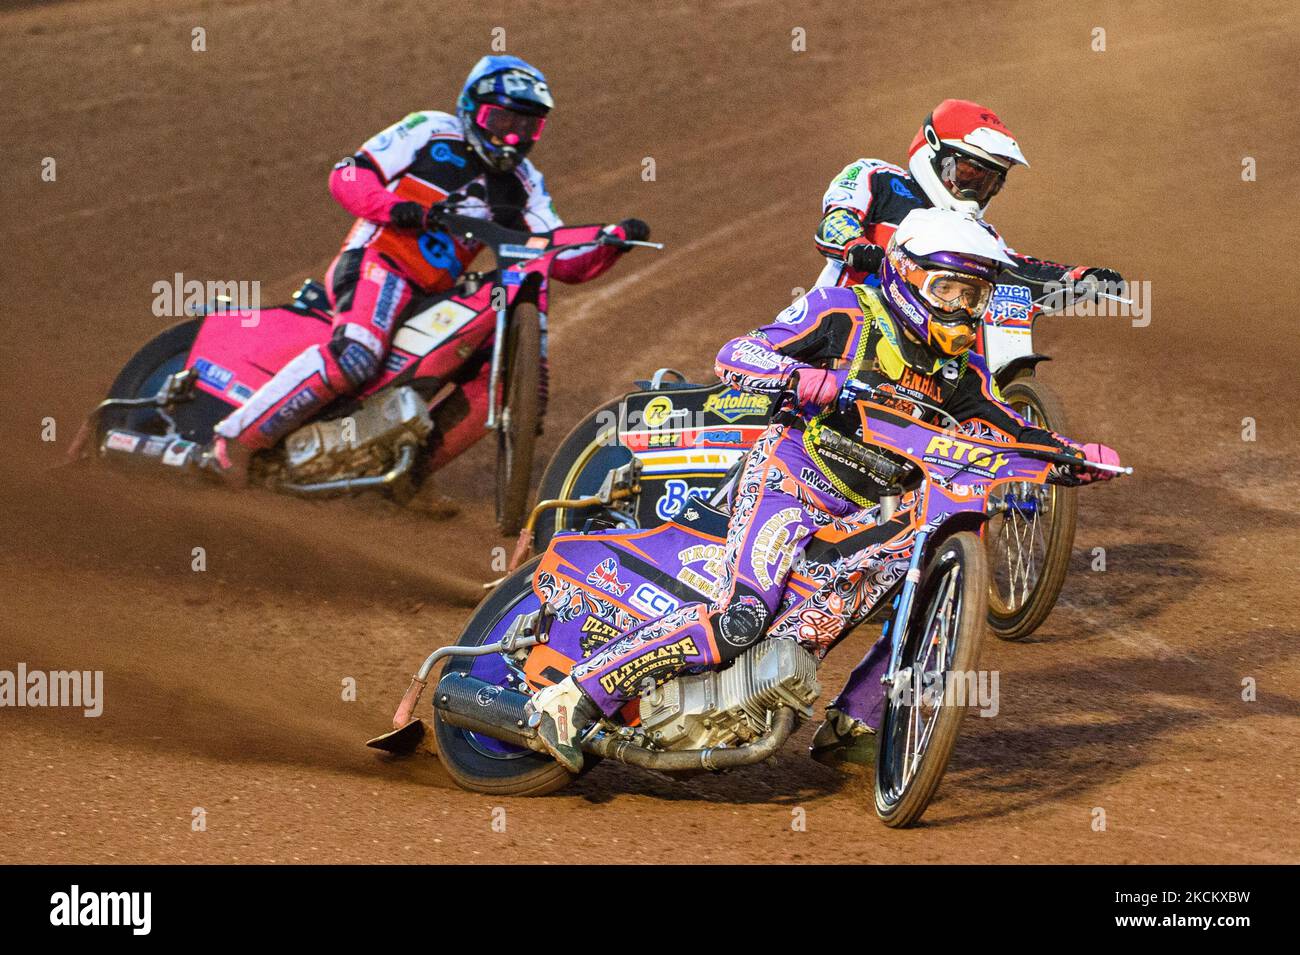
(952,297)
(508,126)
(968,178)
(956,302)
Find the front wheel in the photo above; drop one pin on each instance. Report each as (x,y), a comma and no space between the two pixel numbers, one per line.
(481,763)
(1029,543)
(925,707)
(520,417)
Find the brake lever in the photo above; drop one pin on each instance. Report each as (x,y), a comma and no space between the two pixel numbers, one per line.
(607,238)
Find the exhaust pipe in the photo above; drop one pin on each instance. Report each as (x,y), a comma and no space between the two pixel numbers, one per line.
(481,707)
(687,760)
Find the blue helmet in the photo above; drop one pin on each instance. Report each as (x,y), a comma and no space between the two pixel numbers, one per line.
(502,109)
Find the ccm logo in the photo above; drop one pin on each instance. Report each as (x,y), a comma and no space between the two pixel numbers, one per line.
(652,600)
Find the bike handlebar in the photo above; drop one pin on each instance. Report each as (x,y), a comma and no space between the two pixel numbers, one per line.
(496,236)
(787,403)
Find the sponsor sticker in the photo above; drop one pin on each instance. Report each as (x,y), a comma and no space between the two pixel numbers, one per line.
(178,453)
(512,251)
(213,374)
(774,546)
(656,663)
(1011,303)
(650,600)
(442,152)
(733,404)
(658,411)
(424,332)
(708,579)
(605,576)
(122,441)
(676,496)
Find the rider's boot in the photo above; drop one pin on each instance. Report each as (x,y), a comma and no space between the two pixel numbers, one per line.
(227,460)
(843,742)
(561,712)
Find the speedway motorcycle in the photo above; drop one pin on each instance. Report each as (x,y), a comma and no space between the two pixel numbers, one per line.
(169,396)
(915,558)
(673,442)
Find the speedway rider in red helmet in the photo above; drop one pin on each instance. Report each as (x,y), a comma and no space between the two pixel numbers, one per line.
(959,161)
(394,253)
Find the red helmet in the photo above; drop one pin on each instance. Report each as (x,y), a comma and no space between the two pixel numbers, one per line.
(961,155)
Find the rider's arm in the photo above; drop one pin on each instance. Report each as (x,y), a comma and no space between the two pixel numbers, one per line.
(575,265)
(845,206)
(359,182)
(805,335)
(974,399)
(1037,274)
(359,190)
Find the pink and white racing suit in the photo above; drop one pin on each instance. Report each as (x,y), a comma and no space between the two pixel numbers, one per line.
(424,158)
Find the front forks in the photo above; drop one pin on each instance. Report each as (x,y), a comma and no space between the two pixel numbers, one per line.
(903,608)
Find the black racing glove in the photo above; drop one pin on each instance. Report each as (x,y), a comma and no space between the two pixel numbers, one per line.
(409,215)
(864,257)
(1062,474)
(635,230)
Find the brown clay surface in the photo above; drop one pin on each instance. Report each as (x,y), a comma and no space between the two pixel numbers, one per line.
(223,687)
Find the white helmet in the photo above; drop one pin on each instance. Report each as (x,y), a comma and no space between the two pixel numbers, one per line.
(961,155)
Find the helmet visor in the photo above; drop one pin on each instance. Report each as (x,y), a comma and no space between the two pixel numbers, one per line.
(507,126)
(968,178)
(952,294)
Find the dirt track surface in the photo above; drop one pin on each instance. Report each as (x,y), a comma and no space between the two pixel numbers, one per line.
(223,687)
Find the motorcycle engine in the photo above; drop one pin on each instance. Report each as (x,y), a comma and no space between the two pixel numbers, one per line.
(362,442)
(728,706)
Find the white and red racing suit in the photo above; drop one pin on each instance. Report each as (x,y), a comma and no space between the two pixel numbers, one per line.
(372,281)
(866,202)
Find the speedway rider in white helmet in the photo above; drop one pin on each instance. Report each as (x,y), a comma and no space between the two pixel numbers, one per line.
(959,160)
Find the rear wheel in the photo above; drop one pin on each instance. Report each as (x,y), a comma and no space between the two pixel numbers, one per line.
(520,417)
(145,374)
(480,763)
(578,468)
(1029,543)
(942,645)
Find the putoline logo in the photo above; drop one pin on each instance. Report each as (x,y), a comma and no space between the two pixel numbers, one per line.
(734,404)
(73,908)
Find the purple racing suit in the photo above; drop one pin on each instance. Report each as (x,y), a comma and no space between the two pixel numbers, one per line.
(790,486)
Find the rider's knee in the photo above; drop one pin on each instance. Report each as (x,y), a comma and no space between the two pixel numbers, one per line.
(356,358)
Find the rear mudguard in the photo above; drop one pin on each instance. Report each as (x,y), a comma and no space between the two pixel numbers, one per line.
(1023,365)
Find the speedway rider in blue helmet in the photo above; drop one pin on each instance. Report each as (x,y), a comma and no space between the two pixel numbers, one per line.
(394,252)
